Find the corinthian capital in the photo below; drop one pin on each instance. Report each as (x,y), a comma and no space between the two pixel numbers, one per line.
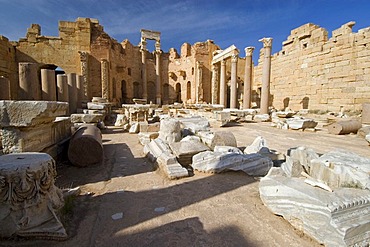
(249,51)
(267,42)
(234,58)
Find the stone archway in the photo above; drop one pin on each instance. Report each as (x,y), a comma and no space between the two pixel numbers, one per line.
(188,90)
(178,93)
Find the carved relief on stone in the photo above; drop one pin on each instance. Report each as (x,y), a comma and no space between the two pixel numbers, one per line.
(105,78)
(29,199)
(249,51)
(267,42)
(84,59)
(215,81)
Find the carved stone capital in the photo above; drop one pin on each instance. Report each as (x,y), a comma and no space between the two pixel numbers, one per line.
(234,58)
(249,51)
(83,55)
(223,62)
(267,42)
(199,64)
(215,67)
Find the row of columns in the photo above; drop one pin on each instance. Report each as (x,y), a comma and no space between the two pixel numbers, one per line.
(266,69)
(67,88)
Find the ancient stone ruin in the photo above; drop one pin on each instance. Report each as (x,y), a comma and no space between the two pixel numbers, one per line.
(58,94)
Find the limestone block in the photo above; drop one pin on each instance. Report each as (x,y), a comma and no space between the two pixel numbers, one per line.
(222,116)
(227,149)
(30,113)
(256,145)
(87,111)
(121,120)
(170,130)
(95,106)
(339,218)
(134,129)
(145,127)
(365,113)
(147,137)
(296,123)
(262,118)
(30,200)
(159,152)
(291,167)
(221,138)
(86,118)
(85,147)
(342,168)
(212,162)
(195,124)
(304,156)
(185,150)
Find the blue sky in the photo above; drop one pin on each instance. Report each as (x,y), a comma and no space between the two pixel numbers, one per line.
(226,22)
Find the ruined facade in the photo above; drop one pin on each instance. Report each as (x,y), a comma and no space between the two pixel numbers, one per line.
(312,71)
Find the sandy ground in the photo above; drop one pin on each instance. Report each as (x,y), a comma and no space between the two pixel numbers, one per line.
(128,202)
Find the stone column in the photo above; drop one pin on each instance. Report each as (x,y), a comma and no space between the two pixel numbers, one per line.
(143,68)
(215,70)
(104,67)
(158,77)
(72,92)
(80,89)
(62,86)
(5,88)
(223,83)
(266,69)
(29,86)
(48,86)
(84,60)
(248,77)
(199,96)
(233,92)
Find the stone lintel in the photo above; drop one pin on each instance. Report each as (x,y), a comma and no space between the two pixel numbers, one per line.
(228,52)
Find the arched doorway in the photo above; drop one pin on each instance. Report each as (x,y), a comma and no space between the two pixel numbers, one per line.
(137,90)
(178,93)
(151,92)
(188,90)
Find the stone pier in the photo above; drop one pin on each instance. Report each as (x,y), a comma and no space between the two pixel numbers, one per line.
(84,62)
(248,77)
(143,68)
(215,69)
(62,86)
(5,88)
(48,85)
(266,70)
(158,68)
(199,82)
(105,79)
(29,86)
(234,75)
(72,92)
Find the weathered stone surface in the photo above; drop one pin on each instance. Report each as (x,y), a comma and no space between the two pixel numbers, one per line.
(146,137)
(304,156)
(95,106)
(159,152)
(364,131)
(344,127)
(220,138)
(87,118)
(170,130)
(146,127)
(339,218)
(252,164)
(134,129)
(292,167)
(341,168)
(259,145)
(227,149)
(262,118)
(121,120)
(185,150)
(195,124)
(30,113)
(367,138)
(298,123)
(223,116)
(256,145)
(85,147)
(29,200)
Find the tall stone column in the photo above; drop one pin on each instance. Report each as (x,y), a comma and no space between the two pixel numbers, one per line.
(48,86)
(84,62)
(233,92)
(223,83)
(266,70)
(80,89)
(158,86)
(72,92)
(199,96)
(5,88)
(248,77)
(215,70)
(143,68)
(62,86)
(104,67)
(29,86)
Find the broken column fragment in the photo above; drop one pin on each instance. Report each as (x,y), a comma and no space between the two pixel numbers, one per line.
(186,149)
(86,146)
(344,127)
(29,200)
(170,130)
(220,138)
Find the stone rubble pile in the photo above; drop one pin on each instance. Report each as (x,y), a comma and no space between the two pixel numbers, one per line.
(288,120)
(327,196)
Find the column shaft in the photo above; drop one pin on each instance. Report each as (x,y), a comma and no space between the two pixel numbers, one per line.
(233,92)
(72,92)
(266,69)
(105,79)
(29,86)
(215,70)
(48,86)
(223,83)
(158,77)
(62,85)
(247,78)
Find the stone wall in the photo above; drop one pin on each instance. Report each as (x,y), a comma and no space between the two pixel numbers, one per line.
(313,71)
(8,69)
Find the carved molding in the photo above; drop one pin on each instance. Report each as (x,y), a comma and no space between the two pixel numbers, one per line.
(267,42)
